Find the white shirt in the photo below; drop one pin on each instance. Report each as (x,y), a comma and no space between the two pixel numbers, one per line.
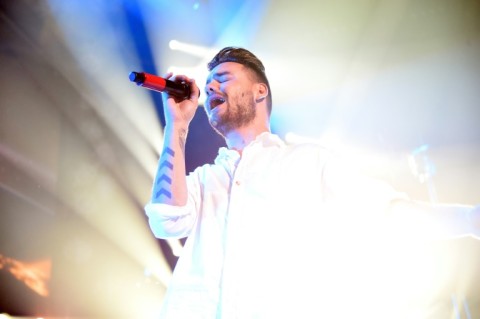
(260,230)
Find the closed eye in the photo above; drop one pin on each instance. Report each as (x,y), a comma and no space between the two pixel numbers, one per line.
(220,77)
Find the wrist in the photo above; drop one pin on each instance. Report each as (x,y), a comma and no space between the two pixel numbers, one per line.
(176,127)
(176,135)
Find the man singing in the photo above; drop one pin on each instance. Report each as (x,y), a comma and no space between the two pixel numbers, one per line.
(261,221)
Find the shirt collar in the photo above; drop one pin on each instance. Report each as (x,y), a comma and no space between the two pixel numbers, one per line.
(265,139)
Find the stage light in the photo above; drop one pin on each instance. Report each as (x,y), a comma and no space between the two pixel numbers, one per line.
(173,44)
(195,50)
(35,275)
(130,117)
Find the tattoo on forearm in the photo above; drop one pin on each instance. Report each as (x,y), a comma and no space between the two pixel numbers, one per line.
(163,191)
(165,167)
(164,178)
(169,151)
(166,164)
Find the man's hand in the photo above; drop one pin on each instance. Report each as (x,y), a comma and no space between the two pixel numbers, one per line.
(180,112)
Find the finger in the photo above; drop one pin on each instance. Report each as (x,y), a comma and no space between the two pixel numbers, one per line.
(181,78)
(194,90)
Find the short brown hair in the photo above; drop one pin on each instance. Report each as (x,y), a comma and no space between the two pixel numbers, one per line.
(247,59)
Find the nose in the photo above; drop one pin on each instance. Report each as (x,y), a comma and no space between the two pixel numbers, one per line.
(210,88)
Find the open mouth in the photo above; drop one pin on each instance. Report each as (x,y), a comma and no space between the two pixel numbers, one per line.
(215,101)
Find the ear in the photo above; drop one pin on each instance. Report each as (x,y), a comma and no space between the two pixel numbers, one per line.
(261,92)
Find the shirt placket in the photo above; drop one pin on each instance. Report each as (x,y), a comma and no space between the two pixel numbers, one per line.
(229,288)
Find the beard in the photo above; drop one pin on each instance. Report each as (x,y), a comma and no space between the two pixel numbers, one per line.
(239,111)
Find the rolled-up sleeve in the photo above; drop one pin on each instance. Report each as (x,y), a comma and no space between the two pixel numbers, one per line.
(168,221)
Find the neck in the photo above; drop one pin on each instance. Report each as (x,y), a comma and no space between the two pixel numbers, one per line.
(240,138)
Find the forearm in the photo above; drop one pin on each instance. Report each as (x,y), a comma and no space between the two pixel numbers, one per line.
(170,186)
(439,221)
(168,213)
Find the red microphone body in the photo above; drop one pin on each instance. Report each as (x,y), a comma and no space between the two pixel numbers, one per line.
(156,83)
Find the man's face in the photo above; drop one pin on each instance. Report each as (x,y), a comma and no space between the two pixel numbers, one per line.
(230,102)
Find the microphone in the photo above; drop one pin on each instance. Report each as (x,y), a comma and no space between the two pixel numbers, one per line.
(156,83)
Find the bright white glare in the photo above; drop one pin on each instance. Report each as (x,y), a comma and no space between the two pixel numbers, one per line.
(368,162)
(420,165)
(195,50)
(173,44)
(4,316)
(330,140)
(430,271)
